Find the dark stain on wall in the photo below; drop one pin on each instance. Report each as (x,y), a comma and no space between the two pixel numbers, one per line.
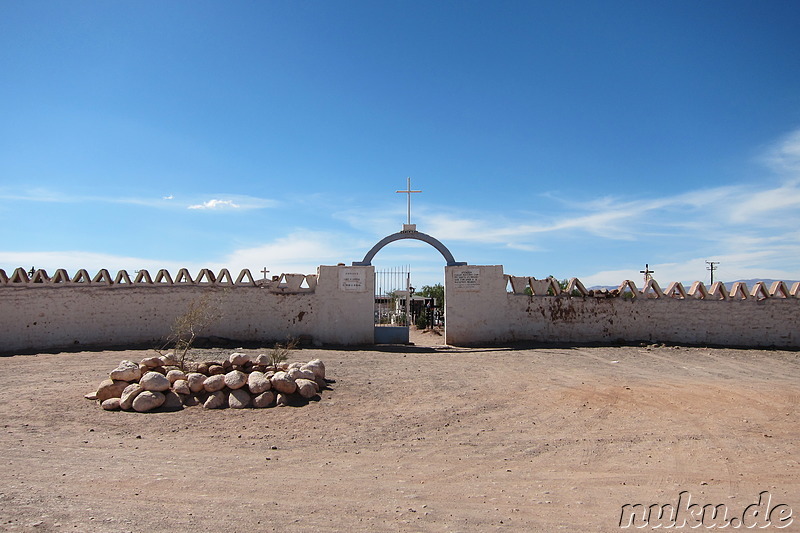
(561,309)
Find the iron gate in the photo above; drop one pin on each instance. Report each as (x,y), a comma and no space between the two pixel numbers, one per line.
(392,305)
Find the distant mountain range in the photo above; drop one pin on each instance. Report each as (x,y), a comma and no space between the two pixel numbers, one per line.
(749,282)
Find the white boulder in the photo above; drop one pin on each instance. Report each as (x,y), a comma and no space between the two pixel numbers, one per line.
(238,399)
(281,382)
(195,380)
(175,375)
(297,373)
(216,400)
(306,387)
(168,359)
(239,358)
(112,404)
(151,362)
(129,394)
(214,383)
(126,371)
(316,366)
(181,386)
(147,401)
(110,388)
(258,383)
(264,399)
(235,379)
(155,382)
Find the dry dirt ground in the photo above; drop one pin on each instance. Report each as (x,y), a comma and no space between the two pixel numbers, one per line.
(418,438)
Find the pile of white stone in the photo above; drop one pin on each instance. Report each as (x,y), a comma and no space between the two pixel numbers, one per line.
(238,382)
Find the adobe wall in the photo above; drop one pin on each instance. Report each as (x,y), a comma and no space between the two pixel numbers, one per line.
(43,313)
(485,306)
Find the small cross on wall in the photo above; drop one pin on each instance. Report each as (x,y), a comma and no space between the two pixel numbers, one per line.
(647,273)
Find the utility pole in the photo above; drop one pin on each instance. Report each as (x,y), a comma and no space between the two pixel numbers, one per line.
(712,266)
(647,272)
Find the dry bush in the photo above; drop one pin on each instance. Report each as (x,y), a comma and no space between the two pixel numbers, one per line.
(186,328)
(280,352)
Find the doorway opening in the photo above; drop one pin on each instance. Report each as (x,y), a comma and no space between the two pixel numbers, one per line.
(405,314)
(388,326)
(392,309)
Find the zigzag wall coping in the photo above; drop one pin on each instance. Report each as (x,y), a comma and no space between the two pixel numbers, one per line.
(300,283)
(675,290)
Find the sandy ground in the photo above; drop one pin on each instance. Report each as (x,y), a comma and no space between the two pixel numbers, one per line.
(418,438)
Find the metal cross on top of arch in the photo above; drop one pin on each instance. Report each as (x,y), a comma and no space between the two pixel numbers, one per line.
(408,191)
(409,232)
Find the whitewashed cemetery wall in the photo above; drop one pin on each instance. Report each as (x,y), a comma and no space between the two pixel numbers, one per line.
(486,306)
(335,306)
(41,312)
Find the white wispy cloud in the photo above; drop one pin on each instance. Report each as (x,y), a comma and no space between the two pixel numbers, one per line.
(731,267)
(614,218)
(752,230)
(215,204)
(751,227)
(767,207)
(299,252)
(784,155)
(735,209)
(381,221)
(225,202)
(42,195)
(74,260)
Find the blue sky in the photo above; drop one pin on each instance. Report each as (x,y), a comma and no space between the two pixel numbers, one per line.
(555,138)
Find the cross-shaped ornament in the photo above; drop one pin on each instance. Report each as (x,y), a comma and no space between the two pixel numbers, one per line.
(647,272)
(265,272)
(408,191)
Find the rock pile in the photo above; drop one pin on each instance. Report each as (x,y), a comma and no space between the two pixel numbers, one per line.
(237,382)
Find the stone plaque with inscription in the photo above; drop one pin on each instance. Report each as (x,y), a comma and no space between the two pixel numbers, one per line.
(352,279)
(467,280)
